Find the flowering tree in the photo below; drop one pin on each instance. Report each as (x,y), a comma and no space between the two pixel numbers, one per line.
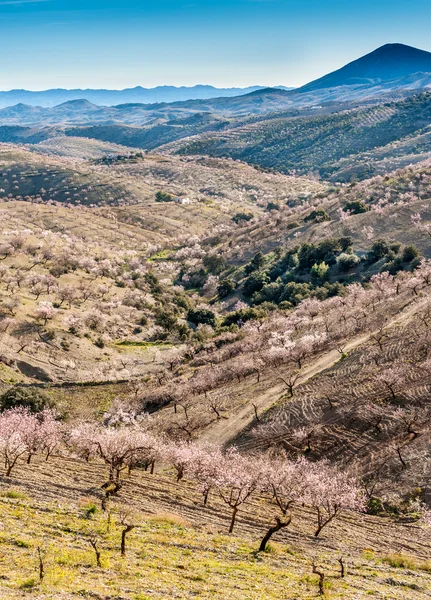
(44,312)
(329,492)
(207,462)
(393,378)
(181,455)
(286,482)
(40,432)
(236,480)
(13,429)
(120,448)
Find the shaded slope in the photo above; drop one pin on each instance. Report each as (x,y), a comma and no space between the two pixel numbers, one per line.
(391,61)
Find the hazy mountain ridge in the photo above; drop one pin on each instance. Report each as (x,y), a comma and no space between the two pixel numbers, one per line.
(52,97)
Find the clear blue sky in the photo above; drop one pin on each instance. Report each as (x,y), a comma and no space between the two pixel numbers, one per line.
(117,44)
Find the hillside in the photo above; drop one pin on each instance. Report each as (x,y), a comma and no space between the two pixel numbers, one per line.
(179,548)
(66,253)
(215,333)
(314,143)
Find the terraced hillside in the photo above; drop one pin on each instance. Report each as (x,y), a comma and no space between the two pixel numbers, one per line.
(272,312)
(338,139)
(314,143)
(389,206)
(25,175)
(87,270)
(178,548)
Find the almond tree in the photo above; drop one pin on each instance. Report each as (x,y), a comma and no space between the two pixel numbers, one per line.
(52,432)
(44,312)
(13,426)
(205,467)
(329,492)
(290,380)
(393,378)
(236,480)
(38,431)
(120,448)
(181,455)
(287,483)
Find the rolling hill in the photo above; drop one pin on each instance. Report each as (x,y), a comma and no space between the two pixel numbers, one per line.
(215,326)
(314,143)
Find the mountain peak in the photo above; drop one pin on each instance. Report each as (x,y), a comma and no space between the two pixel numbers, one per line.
(78,104)
(391,61)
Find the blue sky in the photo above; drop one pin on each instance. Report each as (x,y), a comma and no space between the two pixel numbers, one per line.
(113,44)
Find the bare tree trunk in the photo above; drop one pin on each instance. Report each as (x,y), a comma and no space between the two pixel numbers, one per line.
(41,565)
(232,522)
(402,461)
(279,525)
(125,531)
(93,544)
(322,522)
(342,567)
(321,579)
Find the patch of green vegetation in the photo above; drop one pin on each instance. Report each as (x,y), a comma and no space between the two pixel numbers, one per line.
(31,398)
(161,255)
(139,344)
(13,494)
(319,270)
(164,197)
(402,561)
(317,216)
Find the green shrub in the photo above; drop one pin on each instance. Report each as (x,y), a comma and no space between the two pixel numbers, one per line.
(242,216)
(319,271)
(410,253)
(346,262)
(166,319)
(254,283)
(244,315)
(379,249)
(214,263)
(226,287)
(201,316)
(318,216)
(356,207)
(27,397)
(256,263)
(164,197)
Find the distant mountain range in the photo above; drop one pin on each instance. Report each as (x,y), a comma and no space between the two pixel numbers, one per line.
(366,108)
(137,94)
(389,73)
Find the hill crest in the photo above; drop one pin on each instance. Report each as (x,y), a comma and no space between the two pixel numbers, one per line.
(391,61)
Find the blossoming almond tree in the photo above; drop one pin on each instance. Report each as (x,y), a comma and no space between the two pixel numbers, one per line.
(287,483)
(13,427)
(236,480)
(329,492)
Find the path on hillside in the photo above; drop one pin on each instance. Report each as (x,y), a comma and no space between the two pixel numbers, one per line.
(225,430)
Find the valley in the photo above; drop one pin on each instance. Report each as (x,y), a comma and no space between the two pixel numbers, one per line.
(215,320)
